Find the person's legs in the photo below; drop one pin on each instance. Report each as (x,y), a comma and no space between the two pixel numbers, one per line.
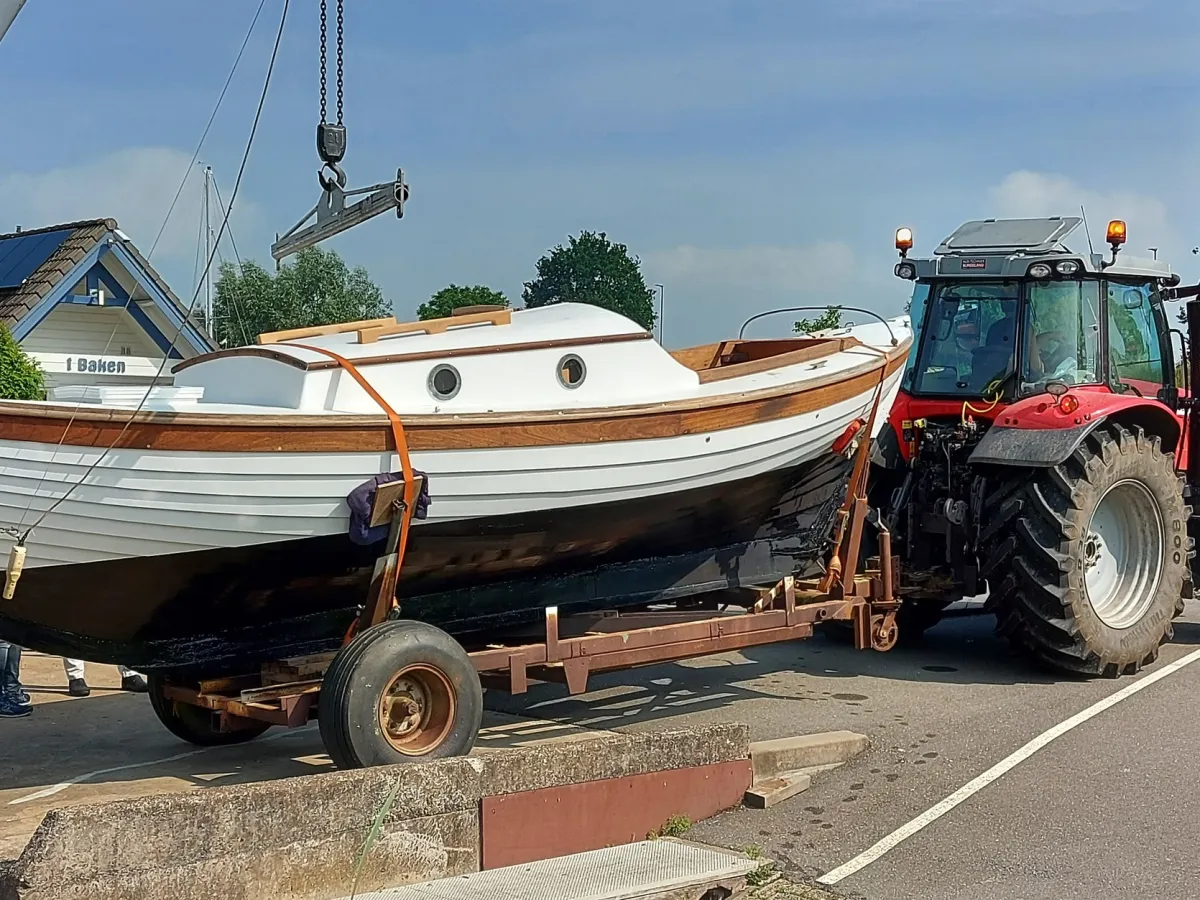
(14,702)
(133,681)
(76,685)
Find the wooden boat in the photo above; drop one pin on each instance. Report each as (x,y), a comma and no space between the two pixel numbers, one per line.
(208,529)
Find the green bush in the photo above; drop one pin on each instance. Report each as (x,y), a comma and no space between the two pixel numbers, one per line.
(20,377)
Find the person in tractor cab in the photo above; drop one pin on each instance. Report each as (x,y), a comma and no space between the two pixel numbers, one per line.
(993,361)
(1061,334)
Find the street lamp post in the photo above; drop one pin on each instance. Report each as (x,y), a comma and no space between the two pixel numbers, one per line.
(662,295)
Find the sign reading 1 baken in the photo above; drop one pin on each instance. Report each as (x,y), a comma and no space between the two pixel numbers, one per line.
(95,365)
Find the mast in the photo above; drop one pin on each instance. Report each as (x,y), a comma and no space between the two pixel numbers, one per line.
(208,237)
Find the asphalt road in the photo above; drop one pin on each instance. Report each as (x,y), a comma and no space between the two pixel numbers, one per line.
(1110,809)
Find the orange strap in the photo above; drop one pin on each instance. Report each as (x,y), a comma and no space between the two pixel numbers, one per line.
(397,436)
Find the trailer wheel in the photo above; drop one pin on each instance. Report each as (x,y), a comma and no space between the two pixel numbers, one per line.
(399,692)
(1086,561)
(194,724)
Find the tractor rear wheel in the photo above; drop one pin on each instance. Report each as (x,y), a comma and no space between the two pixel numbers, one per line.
(1086,560)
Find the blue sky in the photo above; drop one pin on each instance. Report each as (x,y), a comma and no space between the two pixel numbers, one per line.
(753,154)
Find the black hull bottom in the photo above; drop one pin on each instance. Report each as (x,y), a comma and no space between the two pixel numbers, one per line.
(227,610)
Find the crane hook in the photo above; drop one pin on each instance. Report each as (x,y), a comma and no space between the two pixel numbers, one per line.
(330,182)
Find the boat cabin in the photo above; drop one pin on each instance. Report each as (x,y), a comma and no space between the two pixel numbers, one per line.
(563,357)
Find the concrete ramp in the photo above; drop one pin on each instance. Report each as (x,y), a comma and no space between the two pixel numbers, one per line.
(641,871)
(306,838)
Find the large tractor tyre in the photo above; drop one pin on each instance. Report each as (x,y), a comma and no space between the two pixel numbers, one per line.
(1086,561)
(401,691)
(197,725)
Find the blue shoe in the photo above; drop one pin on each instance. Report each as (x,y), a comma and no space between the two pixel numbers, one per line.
(12,708)
(23,698)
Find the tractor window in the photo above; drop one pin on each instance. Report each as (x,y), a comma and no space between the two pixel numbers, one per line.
(1134,351)
(968,339)
(1062,334)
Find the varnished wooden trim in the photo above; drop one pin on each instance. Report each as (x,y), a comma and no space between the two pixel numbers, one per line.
(345,433)
(263,352)
(483,351)
(812,351)
(370,334)
(697,358)
(317,365)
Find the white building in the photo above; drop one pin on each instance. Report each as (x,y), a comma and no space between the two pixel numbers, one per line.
(83,301)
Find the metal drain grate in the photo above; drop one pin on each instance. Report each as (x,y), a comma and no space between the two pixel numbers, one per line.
(646,869)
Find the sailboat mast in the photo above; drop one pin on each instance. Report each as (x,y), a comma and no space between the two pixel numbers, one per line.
(208,252)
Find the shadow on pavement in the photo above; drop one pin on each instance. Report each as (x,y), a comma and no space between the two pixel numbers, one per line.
(1187,633)
(962,650)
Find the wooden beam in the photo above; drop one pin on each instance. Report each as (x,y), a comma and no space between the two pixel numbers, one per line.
(292,334)
(372,333)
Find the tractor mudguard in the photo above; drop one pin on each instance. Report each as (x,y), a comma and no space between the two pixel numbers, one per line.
(1039,432)
(1040,448)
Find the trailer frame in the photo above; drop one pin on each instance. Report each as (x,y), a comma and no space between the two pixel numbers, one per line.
(569,649)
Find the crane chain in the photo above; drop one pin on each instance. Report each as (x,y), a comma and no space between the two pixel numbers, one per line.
(340,32)
(324,21)
(331,138)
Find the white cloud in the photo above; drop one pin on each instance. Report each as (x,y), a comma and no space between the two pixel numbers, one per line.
(134,186)
(1028,193)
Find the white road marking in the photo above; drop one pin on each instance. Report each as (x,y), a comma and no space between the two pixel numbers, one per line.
(88,776)
(977,784)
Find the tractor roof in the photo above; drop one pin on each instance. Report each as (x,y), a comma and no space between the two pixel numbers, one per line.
(987,248)
(1031,236)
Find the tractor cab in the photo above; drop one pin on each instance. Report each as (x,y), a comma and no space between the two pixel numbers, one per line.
(1009,307)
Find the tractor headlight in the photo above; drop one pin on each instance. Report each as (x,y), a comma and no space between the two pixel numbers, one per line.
(1039,270)
(906,270)
(1067,267)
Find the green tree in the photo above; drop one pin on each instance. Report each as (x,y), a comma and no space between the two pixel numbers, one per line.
(448,299)
(20,377)
(318,288)
(831,318)
(592,269)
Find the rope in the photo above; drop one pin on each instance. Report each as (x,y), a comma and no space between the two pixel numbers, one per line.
(398,437)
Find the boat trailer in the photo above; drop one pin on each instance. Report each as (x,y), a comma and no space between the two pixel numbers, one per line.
(432,705)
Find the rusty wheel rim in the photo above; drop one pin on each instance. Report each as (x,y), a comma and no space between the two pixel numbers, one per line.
(416,710)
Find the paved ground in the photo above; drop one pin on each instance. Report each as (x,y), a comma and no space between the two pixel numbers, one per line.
(1110,809)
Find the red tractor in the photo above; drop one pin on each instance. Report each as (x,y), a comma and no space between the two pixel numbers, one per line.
(1037,445)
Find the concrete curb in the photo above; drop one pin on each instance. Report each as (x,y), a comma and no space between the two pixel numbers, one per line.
(765,794)
(772,759)
(299,838)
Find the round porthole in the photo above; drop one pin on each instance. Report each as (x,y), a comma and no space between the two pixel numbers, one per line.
(444,382)
(571,371)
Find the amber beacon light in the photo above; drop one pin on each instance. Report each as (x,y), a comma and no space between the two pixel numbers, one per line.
(1116,233)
